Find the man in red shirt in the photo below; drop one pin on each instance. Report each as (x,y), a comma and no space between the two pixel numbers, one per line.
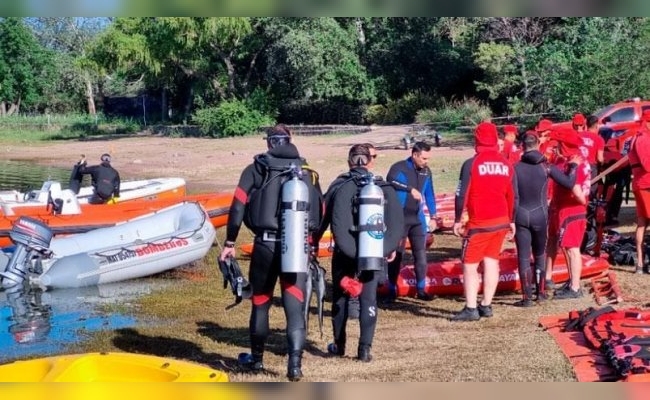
(568,215)
(546,145)
(511,151)
(593,145)
(640,163)
(486,190)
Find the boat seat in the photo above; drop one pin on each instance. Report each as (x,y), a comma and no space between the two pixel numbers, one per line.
(68,201)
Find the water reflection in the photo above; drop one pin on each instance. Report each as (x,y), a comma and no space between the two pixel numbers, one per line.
(34,322)
(24,176)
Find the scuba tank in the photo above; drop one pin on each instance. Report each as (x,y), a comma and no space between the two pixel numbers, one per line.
(371,227)
(294,223)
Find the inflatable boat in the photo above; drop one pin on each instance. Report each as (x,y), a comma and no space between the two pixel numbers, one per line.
(147,189)
(139,247)
(446,277)
(108,367)
(72,218)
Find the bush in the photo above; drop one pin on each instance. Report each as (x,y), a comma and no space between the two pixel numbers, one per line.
(231,118)
(455,113)
(400,111)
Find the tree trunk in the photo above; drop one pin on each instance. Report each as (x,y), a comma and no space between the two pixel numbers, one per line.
(163,105)
(3,109)
(90,98)
(189,100)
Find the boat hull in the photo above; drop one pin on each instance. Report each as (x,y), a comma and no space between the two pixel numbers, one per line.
(144,246)
(108,367)
(217,205)
(139,190)
(446,277)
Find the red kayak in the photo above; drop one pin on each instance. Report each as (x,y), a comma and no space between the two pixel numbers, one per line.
(446,277)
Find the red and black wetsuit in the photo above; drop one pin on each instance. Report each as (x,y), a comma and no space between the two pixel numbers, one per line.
(265,265)
(531,215)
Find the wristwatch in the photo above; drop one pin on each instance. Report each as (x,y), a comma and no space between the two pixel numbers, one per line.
(229,243)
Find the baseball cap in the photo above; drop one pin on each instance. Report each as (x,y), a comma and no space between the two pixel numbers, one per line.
(544,125)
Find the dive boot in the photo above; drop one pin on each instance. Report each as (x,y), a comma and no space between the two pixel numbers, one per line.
(294,371)
(363,353)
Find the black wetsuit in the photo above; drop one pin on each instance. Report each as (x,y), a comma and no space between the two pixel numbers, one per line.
(531,215)
(343,265)
(105,180)
(404,176)
(265,265)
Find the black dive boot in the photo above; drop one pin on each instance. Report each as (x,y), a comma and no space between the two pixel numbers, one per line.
(253,361)
(363,353)
(296,342)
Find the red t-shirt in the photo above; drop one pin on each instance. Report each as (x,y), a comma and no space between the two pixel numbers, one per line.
(640,160)
(511,151)
(592,143)
(563,198)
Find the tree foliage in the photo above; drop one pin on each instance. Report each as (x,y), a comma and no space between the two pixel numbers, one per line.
(329,70)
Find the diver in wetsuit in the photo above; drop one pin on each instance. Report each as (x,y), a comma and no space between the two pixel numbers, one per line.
(342,214)
(531,217)
(256,203)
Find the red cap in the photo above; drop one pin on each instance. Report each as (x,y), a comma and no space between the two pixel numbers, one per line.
(510,129)
(544,125)
(486,134)
(646,115)
(579,120)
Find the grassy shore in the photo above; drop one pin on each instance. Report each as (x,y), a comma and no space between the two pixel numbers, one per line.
(193,319)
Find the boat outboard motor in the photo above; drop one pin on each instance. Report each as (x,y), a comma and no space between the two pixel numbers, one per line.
(371,227)
(31,237)
(294,223)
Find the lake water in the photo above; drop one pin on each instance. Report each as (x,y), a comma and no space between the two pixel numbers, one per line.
(37,323)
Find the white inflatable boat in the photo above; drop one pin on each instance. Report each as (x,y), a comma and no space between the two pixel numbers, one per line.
(139,247)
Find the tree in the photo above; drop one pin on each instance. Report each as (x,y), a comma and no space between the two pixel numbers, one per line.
(69,37)
(24,69)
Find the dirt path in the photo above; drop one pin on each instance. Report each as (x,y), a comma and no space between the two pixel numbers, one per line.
(213,164)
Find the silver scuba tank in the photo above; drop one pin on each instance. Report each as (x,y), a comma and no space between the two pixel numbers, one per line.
(371,228)
(294,224)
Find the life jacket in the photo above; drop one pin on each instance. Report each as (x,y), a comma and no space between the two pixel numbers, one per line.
(345,210)
(263,205)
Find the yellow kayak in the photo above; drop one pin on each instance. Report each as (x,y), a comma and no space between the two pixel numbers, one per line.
(108,367)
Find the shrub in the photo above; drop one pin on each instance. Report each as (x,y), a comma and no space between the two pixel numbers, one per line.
(454,113)
(400,111)
(231,118)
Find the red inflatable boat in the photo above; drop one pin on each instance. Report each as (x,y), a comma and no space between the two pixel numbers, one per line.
(446,277)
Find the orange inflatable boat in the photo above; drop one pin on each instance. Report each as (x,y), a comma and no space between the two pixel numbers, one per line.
(446,277)
(89,217)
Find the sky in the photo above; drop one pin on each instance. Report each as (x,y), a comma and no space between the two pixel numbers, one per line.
(87,8)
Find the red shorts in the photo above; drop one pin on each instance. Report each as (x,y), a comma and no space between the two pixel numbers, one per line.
(642,198)
(567,227)
(478,245)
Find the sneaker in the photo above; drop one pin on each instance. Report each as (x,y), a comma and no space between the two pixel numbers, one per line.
(550,285)
(568,293)
(524,303)
(467,314)
(388,299)
(247,362)
(335,350)
(485,311)
(424,296)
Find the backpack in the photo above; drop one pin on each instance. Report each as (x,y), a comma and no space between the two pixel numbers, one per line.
(263,205)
